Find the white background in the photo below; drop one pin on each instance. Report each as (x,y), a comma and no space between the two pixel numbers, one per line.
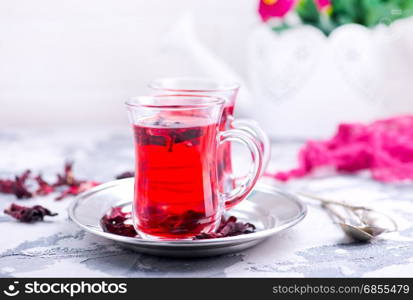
(74,62)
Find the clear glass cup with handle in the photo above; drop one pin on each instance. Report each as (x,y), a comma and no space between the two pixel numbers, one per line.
(177,140)
(229,91)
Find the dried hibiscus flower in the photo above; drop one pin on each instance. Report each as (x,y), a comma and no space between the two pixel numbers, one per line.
(74,190)
(228,227)
(28,214)
(119,222)
(384,147)
(67,178)
(44,187)
(114,222)
(66,184)
(18,186)
(72,186)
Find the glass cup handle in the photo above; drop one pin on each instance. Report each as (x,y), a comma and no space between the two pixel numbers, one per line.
(259,134)
(245,187)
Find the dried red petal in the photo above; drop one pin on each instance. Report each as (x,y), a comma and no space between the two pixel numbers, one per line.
(6,186)
(66,183)
(74,190)
(114,222)
(17,186)
(72,185)
(44,187)
(67,178)
(228,227)
(28,214)
(166,137)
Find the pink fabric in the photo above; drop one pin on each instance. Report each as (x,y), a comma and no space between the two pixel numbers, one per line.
(278,9)
(384,147)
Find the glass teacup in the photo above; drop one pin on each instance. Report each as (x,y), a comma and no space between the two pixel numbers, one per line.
(177,143)
(229,91)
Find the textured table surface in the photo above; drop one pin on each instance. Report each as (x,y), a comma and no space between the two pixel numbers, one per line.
(315,247)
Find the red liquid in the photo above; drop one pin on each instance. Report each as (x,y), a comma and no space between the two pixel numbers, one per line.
(225,175)
(176,177)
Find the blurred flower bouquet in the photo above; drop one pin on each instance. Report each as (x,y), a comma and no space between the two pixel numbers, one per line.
(313,64)
(329,14)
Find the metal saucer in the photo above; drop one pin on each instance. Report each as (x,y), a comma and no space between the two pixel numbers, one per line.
(269,209)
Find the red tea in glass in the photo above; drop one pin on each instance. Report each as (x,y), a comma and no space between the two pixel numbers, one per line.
(176,167)
(229,91)
(174,160)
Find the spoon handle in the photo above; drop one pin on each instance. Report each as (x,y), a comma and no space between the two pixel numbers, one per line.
(329,201)
(334,215)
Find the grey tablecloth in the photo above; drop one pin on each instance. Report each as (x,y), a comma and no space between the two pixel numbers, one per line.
(315,247)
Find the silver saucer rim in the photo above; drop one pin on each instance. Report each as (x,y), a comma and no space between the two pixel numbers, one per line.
(239,239)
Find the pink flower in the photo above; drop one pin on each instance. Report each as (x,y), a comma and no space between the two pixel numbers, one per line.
(274,8)
(323,5)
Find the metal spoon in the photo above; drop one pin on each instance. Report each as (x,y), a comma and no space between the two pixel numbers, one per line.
(362,223)
(356,231)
